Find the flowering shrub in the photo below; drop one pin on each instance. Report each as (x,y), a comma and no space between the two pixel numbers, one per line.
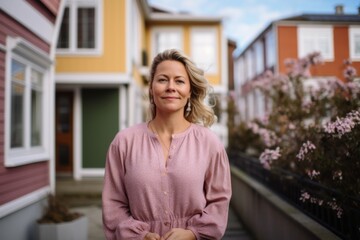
(312,128)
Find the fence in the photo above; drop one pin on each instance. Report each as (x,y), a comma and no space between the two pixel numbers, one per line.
(290,186)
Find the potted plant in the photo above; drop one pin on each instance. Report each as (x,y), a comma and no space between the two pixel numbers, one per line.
(58,222)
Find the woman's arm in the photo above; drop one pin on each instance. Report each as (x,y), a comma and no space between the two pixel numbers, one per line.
(117,220)
(212,222)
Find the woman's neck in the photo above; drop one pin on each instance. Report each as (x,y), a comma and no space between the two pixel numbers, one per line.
(170,124)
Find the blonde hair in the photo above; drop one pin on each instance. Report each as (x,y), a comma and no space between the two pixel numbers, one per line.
(199,87)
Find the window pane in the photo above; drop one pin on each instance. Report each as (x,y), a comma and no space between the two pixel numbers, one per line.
(167,40)
(357,44)
(203,50)
(36,107)
(63,41)
(17,104)
(86,28)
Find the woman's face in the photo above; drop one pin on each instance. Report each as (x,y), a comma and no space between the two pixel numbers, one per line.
(170,87)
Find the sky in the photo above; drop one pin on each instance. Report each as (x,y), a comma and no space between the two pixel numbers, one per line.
(245,19)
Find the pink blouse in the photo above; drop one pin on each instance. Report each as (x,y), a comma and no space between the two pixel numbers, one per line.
(141,194)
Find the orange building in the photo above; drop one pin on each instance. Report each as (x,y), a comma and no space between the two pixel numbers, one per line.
(335,36)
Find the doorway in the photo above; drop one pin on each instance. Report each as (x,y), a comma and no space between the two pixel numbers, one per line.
(64,133)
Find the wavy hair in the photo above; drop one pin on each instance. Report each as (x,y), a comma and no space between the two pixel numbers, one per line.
(200,113)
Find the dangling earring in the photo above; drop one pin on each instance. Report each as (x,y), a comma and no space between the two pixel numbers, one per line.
(188,109)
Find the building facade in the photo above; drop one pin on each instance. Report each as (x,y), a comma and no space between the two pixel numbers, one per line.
(335,36)
(28,35)
(102,69)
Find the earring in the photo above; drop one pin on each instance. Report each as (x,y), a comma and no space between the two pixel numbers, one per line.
(188,109)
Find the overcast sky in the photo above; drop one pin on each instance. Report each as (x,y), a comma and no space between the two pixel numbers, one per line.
(244,19)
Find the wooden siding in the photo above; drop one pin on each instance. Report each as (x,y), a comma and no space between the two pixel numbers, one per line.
(46,7)
(10,27)
(2,106)
(17,181)
(287,45)
(341,52)
(287,48)
(113,56)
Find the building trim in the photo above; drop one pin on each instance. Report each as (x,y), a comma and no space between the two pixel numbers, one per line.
(175,17)
(77,137)
(92,78)
(23,201)
(92,172)
(28,16)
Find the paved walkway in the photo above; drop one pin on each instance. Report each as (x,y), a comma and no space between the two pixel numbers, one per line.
(235,230)
(85,197)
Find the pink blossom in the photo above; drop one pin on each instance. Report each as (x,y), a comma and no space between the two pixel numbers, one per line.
(268,156)
(312,174)
(267,136)
(335,207)
(349,72)
(344,125)
(304,196)
(307,147)
(337,175)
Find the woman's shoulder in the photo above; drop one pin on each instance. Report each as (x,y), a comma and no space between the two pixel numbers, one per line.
(206,134)
(131,132)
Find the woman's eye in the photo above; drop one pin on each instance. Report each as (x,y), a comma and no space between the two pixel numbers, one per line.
(162,80)
(180,81)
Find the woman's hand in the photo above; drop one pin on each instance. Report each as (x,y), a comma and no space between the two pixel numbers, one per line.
(179,234)
(152,236)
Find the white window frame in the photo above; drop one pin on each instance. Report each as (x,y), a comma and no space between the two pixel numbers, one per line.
(259,57)
(214,67)
(136,34)
(33,58)
(73,7)
(316,32)
(249,63)
(353,31)
(168,29)
(270,49)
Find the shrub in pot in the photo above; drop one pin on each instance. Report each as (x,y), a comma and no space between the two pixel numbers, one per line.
(58,222)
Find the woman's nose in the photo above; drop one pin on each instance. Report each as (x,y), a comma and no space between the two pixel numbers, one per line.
(171,85)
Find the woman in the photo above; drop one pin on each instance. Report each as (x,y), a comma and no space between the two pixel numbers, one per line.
(168,178)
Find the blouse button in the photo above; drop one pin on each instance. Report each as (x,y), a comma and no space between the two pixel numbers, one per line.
(167,224)
(165,192)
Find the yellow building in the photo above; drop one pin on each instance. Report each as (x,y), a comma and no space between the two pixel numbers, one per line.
(102,66)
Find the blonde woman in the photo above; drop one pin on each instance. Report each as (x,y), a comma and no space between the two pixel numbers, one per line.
(168,178)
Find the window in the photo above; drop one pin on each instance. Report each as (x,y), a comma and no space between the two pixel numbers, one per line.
(259,57)
(80,28)
(354,36)
(270,49)
(204,48)
(249,65)
(26,116)
(313,39)
(166,38)
(136,35)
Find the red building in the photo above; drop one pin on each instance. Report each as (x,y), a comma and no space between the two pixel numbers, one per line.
(28,35)
(335,36)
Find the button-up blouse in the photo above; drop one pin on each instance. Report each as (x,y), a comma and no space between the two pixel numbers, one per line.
(142,193)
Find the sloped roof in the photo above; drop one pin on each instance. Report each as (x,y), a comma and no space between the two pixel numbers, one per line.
(308,18)
(324,18)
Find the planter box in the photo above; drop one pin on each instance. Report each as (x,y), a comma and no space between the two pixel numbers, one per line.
(74,230)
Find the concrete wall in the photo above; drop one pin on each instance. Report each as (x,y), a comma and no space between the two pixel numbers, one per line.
(21,225)
(269,217)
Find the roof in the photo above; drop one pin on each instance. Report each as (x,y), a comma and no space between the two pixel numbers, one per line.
(324,18)
(309,18)
(159,14)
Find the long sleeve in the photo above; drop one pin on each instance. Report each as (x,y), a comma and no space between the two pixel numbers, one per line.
(117,219)
(212,222)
